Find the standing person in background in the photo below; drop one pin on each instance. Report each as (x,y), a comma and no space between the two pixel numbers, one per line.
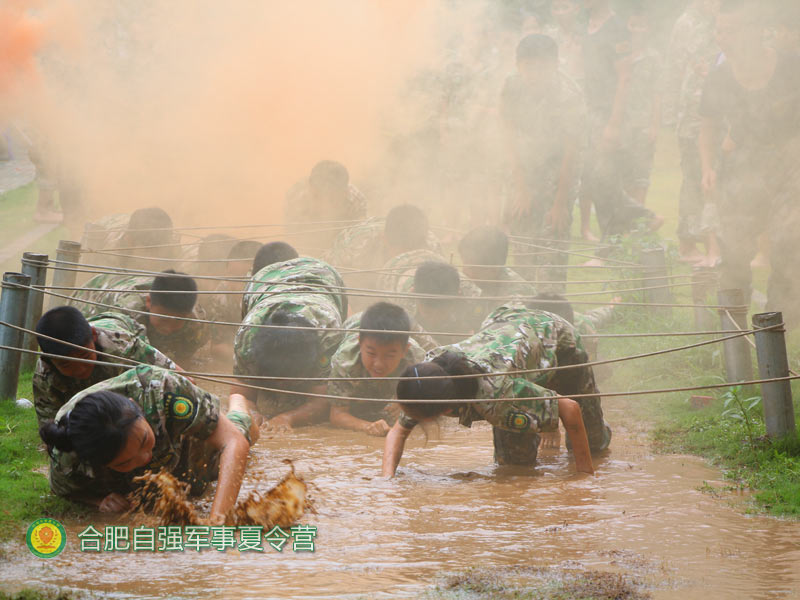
(693,51)
(752,101)
(607,65)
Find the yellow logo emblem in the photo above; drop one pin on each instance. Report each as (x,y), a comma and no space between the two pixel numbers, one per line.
(46,538)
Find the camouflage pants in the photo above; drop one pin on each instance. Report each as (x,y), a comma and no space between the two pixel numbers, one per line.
(690,206)
(513,448)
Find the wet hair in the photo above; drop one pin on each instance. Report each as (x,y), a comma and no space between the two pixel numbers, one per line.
(406,227)
(416,386)
(244,250)
(173,290)
(65,323)
(329,175)
(290,352)
(434,277)
(96,428)
(387,316)
(485,245)
(536,46)
(272,253)
(553,303)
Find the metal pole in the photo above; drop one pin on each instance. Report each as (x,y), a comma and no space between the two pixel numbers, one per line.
(656,263)
(13,302)
(35,266)
(738,361)
(69,252)
(701,286)
(773,363)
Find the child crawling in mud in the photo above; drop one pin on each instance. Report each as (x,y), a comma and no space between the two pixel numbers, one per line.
(146,419)
(484,367)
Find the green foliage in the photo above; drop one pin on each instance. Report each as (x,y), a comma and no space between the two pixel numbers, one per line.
(735,407)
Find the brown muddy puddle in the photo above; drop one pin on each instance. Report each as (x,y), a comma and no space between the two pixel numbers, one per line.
(450,509)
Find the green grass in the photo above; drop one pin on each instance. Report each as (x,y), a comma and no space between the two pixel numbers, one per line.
(23,485)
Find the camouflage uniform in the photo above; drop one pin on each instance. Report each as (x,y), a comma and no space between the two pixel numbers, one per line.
(515,338)
(300,207)
(692,53)
(291,286)
(226,308)
(398,277)
(110,234)
(180,346)
(588,323)
(182,416)
(347,363)
(117,334)
(540,127)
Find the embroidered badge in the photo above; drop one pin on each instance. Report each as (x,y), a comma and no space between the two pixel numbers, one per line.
(180,407)
(519,421)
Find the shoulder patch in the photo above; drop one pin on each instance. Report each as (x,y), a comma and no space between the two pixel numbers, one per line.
(180,407)
(519,421)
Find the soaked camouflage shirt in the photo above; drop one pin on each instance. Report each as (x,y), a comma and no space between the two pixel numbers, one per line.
(117,334)
(361,246)
(110,233)
(347,363)
(512,338)
(692,53)
(292,286)
(180,346)
(181,415)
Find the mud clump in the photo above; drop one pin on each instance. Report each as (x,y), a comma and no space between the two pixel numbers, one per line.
(165,499)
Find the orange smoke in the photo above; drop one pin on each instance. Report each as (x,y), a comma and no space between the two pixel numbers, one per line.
(20,38)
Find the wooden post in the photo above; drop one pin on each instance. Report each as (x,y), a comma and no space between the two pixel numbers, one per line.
(773,363)
(35,266)
(656,263)
(702,278)
(13,303)
(738,361)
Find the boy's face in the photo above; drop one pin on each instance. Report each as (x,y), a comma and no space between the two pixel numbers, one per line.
(162,325)
(75,369)
(380,359)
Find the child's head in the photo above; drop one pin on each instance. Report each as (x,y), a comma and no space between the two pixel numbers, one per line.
(406,229)
(483,247)
(381,353)
(291,350)
(272,253)
(436,279)
(104,429)
(173,294)
(537,60)
(553,303)
(240,258)
(150,226)
(66,323)
(432,381)
(328,184)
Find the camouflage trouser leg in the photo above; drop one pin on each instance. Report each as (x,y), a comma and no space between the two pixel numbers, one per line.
(577,381)
(512,448)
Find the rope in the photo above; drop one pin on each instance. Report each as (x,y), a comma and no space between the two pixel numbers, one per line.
(200,228)
(749,341)
(468,376)
(444,401)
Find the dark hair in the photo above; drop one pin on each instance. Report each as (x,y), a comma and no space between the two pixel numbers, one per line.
(96,428)
(329,175)
(214,246)
(149,226)
(536,46)
(290,352)
(244,250)
(385,315)
(406,227)
(272,253)
(434,277)
(415,386)
(485,245)
(65,323)
(553,303)
(172,290)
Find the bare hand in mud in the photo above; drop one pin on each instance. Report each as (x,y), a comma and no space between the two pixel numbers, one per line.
(278,424)
(550,440)
(377,428)
(114,503)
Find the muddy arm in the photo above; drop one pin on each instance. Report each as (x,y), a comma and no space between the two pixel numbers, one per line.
(569,412)
(393,449)
(233,448)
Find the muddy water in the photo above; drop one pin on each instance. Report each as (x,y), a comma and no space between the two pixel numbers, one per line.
(450,509)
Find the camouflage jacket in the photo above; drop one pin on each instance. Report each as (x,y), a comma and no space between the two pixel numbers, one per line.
(176,409)
(294,286)
(513,338)
(347,363)
(692,53)
(179,346)
(361,246)
(110,233)
(117,334)
(588,323)
(506,282)
(300,207)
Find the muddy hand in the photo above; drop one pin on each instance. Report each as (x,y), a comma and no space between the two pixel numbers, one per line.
(278,424)
(378,428)
(114,503)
